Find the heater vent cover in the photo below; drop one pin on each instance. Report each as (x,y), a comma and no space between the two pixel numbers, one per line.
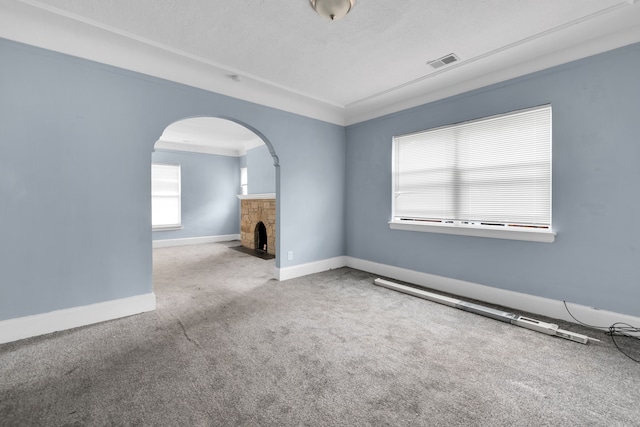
(445,60)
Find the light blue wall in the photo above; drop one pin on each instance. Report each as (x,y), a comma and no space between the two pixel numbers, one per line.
(261,174)
(209,194)
(596,202)
(76,139)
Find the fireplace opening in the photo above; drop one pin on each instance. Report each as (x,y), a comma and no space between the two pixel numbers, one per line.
(261,237)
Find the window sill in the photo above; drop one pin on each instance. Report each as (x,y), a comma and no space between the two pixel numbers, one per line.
(525,235)
(167,227)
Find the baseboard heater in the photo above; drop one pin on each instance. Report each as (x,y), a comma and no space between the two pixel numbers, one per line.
(503,316)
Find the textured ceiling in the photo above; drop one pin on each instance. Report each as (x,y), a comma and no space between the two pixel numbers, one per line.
(370,63)
(381,44)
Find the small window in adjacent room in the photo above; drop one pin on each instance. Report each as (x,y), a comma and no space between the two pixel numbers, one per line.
(243,181)
(165,197)
(489,177)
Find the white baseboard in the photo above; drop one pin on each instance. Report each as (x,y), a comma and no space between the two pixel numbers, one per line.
(59,320)
(516,300)
(166,243)
(309,268)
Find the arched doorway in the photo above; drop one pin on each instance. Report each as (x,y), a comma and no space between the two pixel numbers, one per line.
(215,150)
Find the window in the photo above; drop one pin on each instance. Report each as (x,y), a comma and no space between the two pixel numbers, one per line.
(165,196)
(243,181)
(489,178)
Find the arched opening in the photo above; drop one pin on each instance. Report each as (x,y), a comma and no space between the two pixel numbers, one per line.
(260,237)
(212,155)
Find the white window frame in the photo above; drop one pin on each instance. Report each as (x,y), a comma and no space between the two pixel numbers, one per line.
(176,195)
(244,187)
(468,228)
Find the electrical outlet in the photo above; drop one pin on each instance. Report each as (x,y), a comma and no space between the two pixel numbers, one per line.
(290,255)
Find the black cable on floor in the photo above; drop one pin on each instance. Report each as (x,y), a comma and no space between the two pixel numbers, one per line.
(613,331)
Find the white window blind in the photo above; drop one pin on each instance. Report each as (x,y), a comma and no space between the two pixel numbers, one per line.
(493,172)
(165,195)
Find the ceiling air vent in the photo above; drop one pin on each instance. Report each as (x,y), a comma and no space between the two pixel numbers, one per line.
(445,60)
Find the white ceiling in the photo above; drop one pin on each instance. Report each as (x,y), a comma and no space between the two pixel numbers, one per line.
(208,135)
(370,63)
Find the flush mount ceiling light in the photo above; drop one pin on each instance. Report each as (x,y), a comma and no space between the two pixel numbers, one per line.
(332,9)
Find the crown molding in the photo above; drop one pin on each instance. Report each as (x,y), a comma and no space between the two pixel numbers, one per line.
(607,30)
(197,148)
(36,24)
(193,147)
(251,145)
(33,23)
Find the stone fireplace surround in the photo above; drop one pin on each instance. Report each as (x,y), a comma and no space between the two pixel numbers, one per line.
(256,208)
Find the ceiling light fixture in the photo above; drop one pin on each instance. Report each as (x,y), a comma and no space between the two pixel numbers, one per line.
(332,9)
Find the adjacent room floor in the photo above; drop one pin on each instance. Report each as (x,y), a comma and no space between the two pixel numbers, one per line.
(230,346)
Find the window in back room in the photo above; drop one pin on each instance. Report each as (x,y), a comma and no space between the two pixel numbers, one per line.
(165,197)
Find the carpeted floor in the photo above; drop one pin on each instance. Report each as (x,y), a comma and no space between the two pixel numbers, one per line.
(229,346)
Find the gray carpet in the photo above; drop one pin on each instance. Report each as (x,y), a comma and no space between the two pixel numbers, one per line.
(228,346)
